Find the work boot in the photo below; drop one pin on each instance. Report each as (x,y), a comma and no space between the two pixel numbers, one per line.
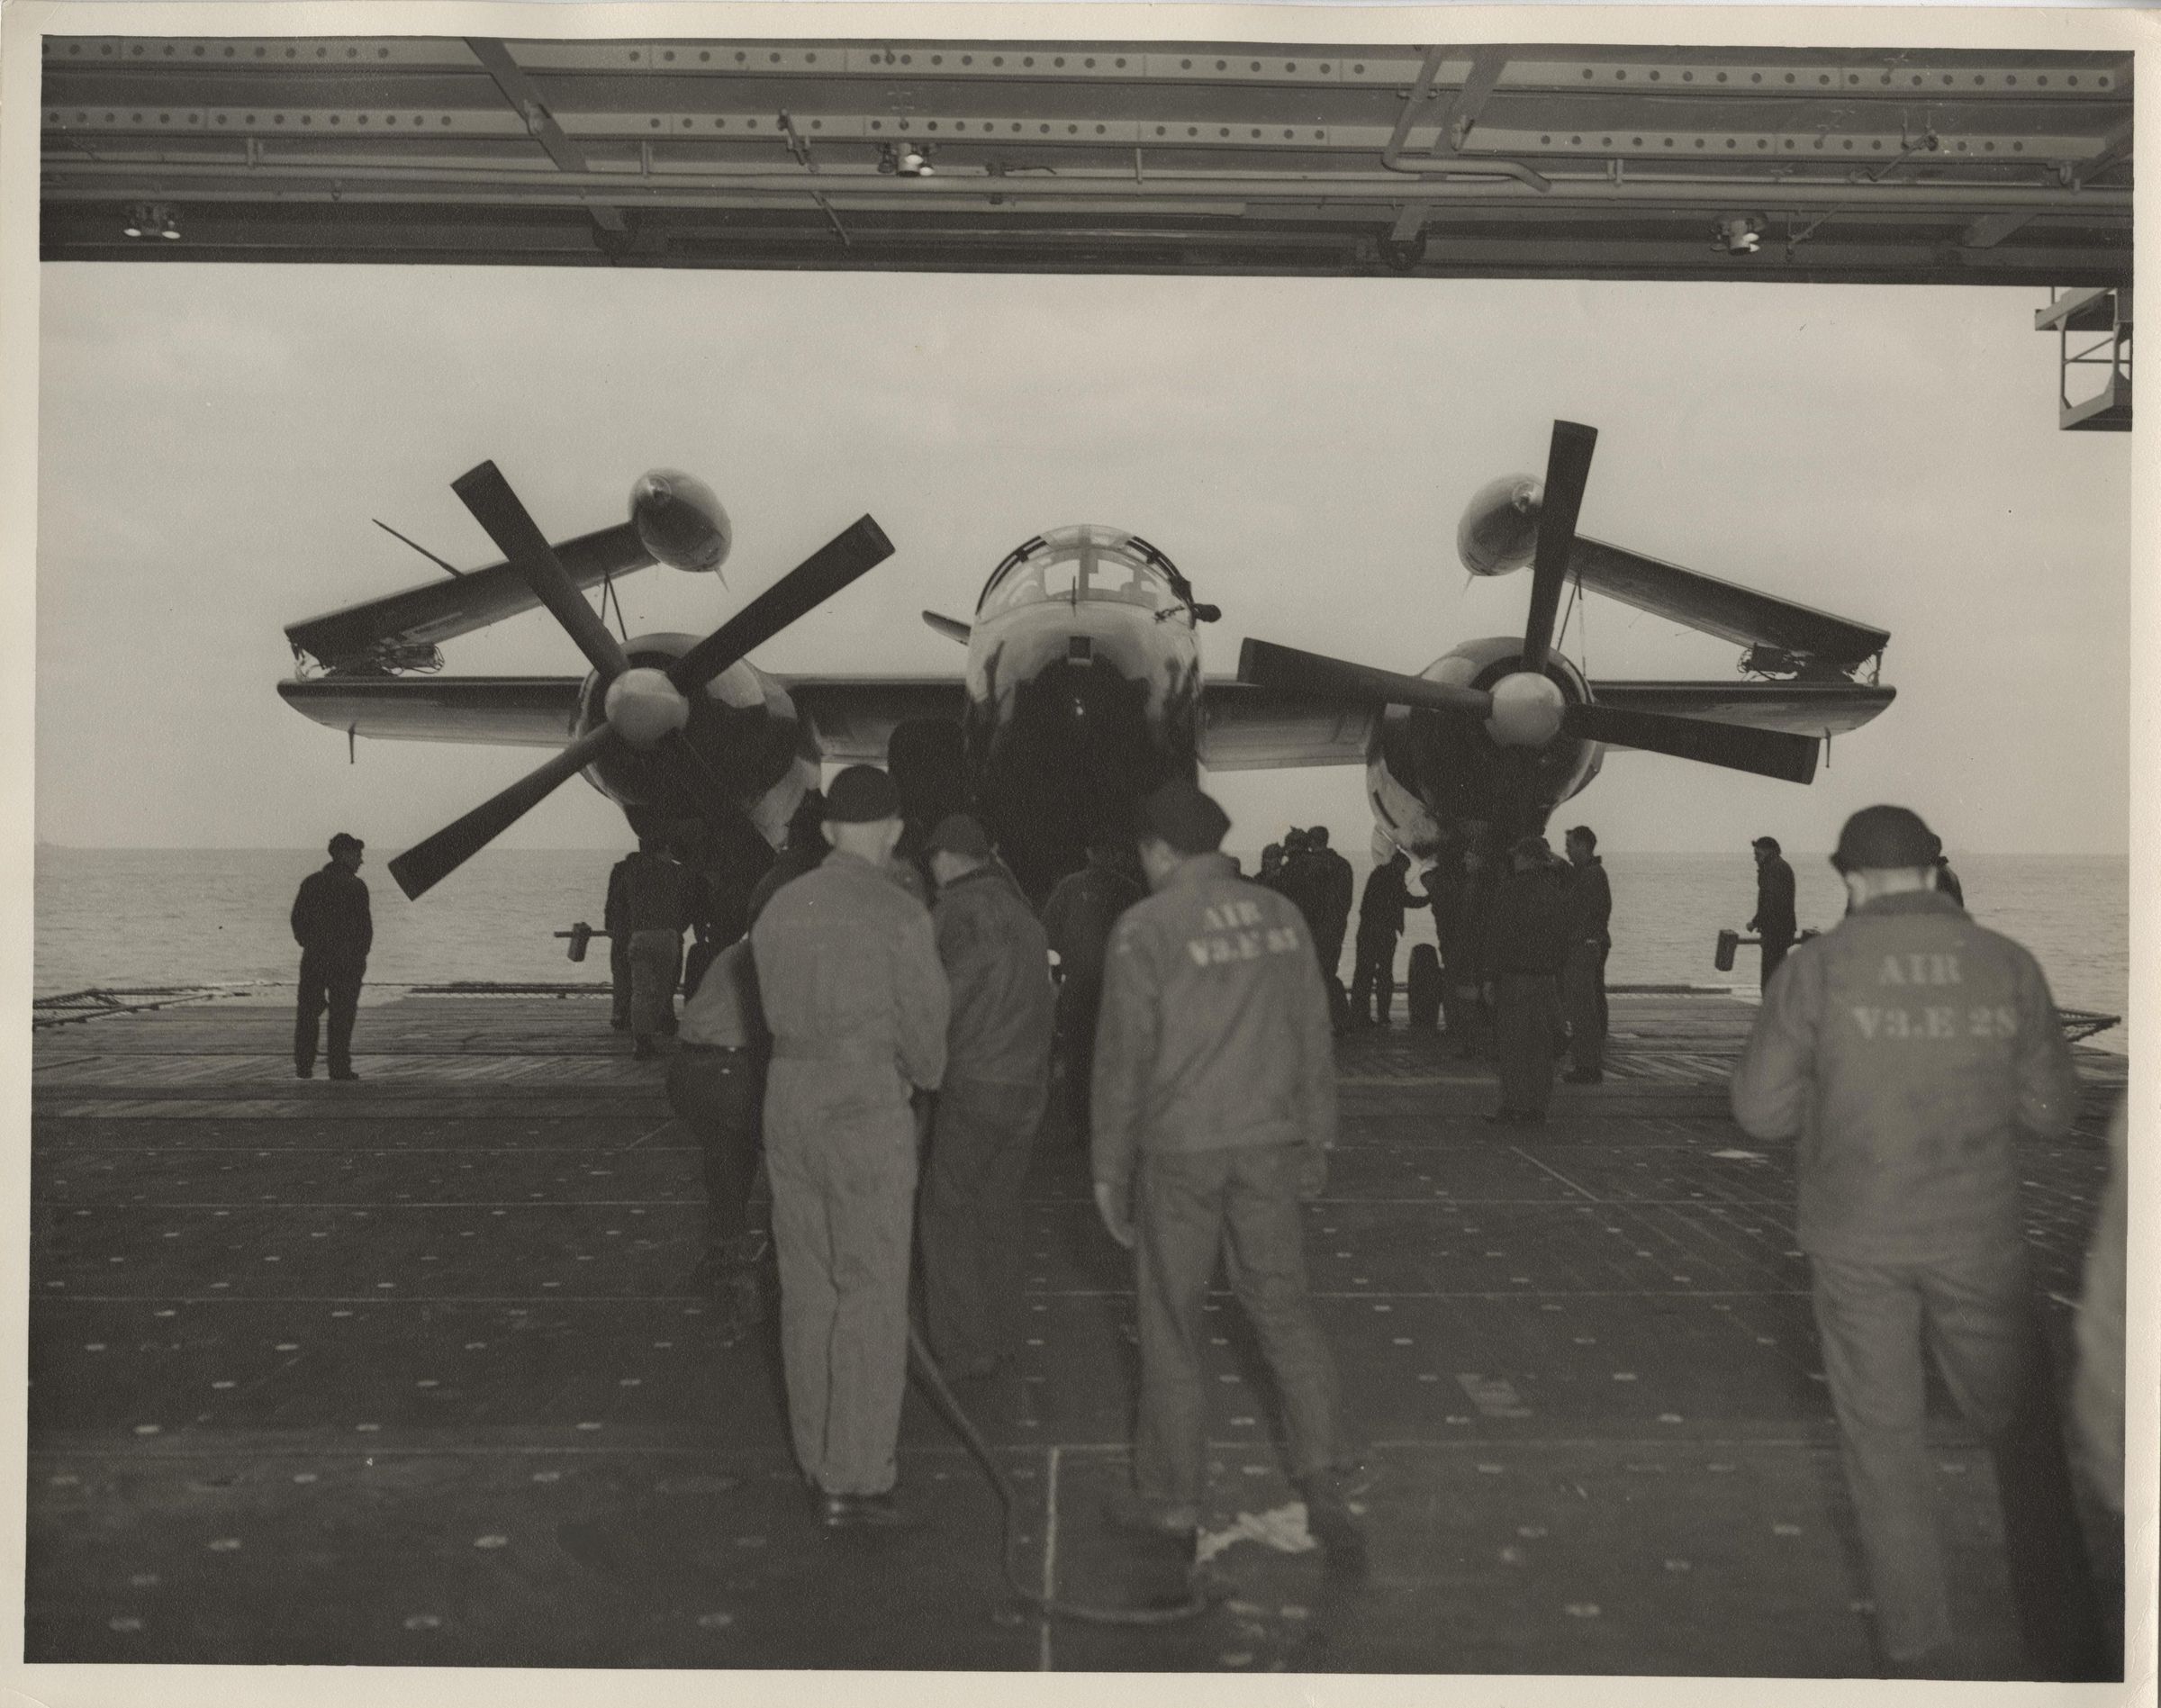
(343,1073)
(1330,1520)
(866,1512)
(1167,1521)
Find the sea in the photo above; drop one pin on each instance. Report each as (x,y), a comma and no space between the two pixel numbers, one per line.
(135,917)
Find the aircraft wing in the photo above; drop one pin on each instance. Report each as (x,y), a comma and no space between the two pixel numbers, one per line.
(510,711)
(1742,615)
(853,717)
(1799,707)
(437,610)
(1245,727)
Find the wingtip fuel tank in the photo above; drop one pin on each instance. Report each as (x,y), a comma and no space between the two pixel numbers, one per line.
(680,521)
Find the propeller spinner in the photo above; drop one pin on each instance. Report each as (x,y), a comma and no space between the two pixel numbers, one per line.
(643,709)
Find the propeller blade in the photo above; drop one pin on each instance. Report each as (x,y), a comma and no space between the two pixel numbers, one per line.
(427,863)
(1265,665)
(800,591)
(1567,469)
(495,507)
(1768,752)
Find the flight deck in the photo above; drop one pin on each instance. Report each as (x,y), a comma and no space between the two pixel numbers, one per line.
(410,1371)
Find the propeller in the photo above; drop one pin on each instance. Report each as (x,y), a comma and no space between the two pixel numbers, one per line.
(1526,709)
(1567,469)
(644,710)
(1768,752)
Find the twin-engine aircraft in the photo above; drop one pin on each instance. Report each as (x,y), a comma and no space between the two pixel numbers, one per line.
(1082,689)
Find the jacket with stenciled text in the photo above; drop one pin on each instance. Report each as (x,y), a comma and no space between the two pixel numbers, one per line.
(1902,1050)
(1214,1031)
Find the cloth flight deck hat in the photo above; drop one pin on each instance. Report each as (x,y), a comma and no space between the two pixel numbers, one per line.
(862,795)
(345,839)
(1766,842)
(1185,817)
(960,833)
(1884,840)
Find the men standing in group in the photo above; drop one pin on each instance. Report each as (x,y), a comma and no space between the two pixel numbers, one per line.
(1078,917)
(1526,942)
(659,901)
(335,930)
(1215,1107)
(1591,912)
(1902,1050)
(857,1004)
(1380,912)
(1774,922)
(998,1063)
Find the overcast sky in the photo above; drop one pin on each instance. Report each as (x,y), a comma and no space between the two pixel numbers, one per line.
(214,440)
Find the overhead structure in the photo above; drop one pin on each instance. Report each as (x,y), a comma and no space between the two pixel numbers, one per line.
(1910,167)
(2093,345)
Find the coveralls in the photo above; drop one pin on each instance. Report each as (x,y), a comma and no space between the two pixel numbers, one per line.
(659,900)
(1902,1051)
(1590,914)
(1380,912)
(716,1085)
(1078,917)
(1774,922)
(1214,1104)
(848,972)
(1524,947)
(997,1063)
(335,930)
(615,920)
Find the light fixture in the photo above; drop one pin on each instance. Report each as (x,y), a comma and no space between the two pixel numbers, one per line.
(150,216)
(1738,234)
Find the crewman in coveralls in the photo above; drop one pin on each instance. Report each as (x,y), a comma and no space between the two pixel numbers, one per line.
(335,930)
(998,1074)
(856,1002)
(1902,1050)
(1526,944)
(1214,1110)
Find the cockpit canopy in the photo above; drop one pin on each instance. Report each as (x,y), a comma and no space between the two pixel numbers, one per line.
(1085,561)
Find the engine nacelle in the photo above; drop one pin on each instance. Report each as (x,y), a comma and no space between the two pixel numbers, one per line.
(743,724)
(680,522)
(1499,529)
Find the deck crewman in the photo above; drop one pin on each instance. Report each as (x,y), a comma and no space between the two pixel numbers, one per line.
(1902,1051)
(660,900)
(1774,922)
(857,1003)
(1590,913)
(1214,1108)
(1078,917)
(615,920)
(998,1067)
(716,1087)
(1380,912)
(1331,888)
(335,930)
(1525,943)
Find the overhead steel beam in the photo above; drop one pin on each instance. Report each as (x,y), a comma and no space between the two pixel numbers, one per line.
(524,97)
